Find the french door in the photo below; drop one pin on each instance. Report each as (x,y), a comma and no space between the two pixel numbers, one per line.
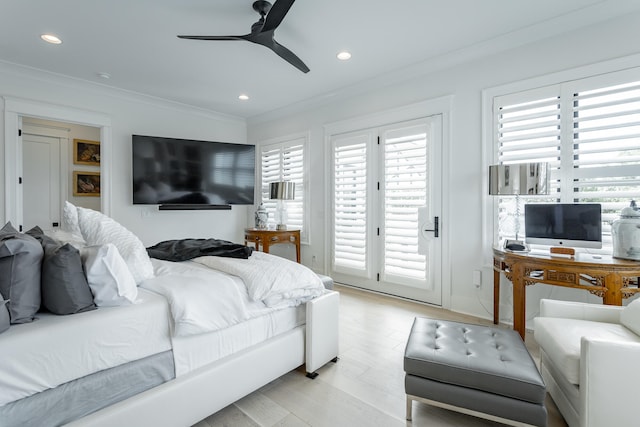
(386,228)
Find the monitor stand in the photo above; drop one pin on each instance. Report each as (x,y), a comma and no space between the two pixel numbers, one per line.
(561,251)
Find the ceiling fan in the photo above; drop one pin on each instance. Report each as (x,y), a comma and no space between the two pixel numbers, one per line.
(262,32)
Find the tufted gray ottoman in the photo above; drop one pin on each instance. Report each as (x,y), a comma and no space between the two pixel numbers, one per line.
(478,370)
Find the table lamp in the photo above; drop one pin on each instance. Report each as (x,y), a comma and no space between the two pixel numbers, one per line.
(522,179)
(282,191)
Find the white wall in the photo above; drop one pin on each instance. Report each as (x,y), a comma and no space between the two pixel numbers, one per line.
(466,83)
(131,113)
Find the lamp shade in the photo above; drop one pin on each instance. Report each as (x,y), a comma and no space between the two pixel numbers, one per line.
(283,190)
(519,179)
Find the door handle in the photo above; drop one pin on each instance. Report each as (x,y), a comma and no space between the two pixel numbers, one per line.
(436,227)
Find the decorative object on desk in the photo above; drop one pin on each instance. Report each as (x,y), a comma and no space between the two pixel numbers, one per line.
(515,245)
(523,179)
(625,233)
(261,217)
(282,191)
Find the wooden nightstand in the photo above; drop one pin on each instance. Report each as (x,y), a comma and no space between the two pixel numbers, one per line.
(266,238)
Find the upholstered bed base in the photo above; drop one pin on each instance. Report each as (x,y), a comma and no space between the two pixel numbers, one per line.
(192,397)
(88,394)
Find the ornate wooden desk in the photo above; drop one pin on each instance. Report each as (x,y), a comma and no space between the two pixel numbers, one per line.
(609,278)
(271,237)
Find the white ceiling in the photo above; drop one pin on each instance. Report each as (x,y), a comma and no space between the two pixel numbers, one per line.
(135,42)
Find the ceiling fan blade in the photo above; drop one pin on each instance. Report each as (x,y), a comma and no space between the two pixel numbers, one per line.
(245,37)
(277,14)
(288,56)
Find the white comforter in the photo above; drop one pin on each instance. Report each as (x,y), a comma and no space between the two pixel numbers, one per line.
(273,280)
(212,293)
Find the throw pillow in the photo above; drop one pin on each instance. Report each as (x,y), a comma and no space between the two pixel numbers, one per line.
(109,278)
(70,219)
(99,229)
(20,262)
(63,285)
(74,240)
(5,321)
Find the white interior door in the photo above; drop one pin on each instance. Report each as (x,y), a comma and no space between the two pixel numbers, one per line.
(387,202)
(41,181)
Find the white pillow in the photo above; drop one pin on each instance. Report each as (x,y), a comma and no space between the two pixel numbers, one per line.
(70,219)
(630,316)
(109,278)
(99,229)
(63,236)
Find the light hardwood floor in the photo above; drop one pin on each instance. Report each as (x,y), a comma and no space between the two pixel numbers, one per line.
(366,386)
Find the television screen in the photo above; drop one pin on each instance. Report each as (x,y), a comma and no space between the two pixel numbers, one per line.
(170,171)
(564,224)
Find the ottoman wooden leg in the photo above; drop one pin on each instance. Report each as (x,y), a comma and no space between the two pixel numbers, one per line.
(409,405)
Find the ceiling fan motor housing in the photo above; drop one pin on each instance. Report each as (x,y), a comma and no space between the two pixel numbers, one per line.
(262,7)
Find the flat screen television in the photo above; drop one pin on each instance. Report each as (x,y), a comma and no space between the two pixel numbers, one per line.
(564,224)
(185,172)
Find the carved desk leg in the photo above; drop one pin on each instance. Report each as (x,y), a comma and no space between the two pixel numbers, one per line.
(496,296)
(519,299)
(613,293)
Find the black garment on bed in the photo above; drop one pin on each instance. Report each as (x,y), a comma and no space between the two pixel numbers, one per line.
(186,249)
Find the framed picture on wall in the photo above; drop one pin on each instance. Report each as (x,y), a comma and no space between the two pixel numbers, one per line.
(86,152)
(86,183)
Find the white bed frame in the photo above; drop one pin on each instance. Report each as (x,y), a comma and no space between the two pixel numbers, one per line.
(190,398)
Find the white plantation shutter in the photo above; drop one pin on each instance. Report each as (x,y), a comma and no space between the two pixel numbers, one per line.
(527,129)
(293,170)
(589,132)
(285,162)
(405,190)
(350,205)
(606,149)
(271,167)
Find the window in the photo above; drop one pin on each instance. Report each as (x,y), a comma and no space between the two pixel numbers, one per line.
(285,161)
(588,131)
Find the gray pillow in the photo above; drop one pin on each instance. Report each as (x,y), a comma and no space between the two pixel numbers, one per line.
(64,286)
(4,315)
(20,261)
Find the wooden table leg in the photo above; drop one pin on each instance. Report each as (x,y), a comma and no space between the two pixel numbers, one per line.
(496,297)
(297,251)
(519,301)
(613,294)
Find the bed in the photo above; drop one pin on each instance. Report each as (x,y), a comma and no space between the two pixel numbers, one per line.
(196,336)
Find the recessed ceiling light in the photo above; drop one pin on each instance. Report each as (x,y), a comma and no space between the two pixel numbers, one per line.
(243,97)
(105,76)
(50,38)
(344,55)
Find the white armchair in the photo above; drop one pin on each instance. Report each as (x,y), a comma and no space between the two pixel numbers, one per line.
(588,356)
